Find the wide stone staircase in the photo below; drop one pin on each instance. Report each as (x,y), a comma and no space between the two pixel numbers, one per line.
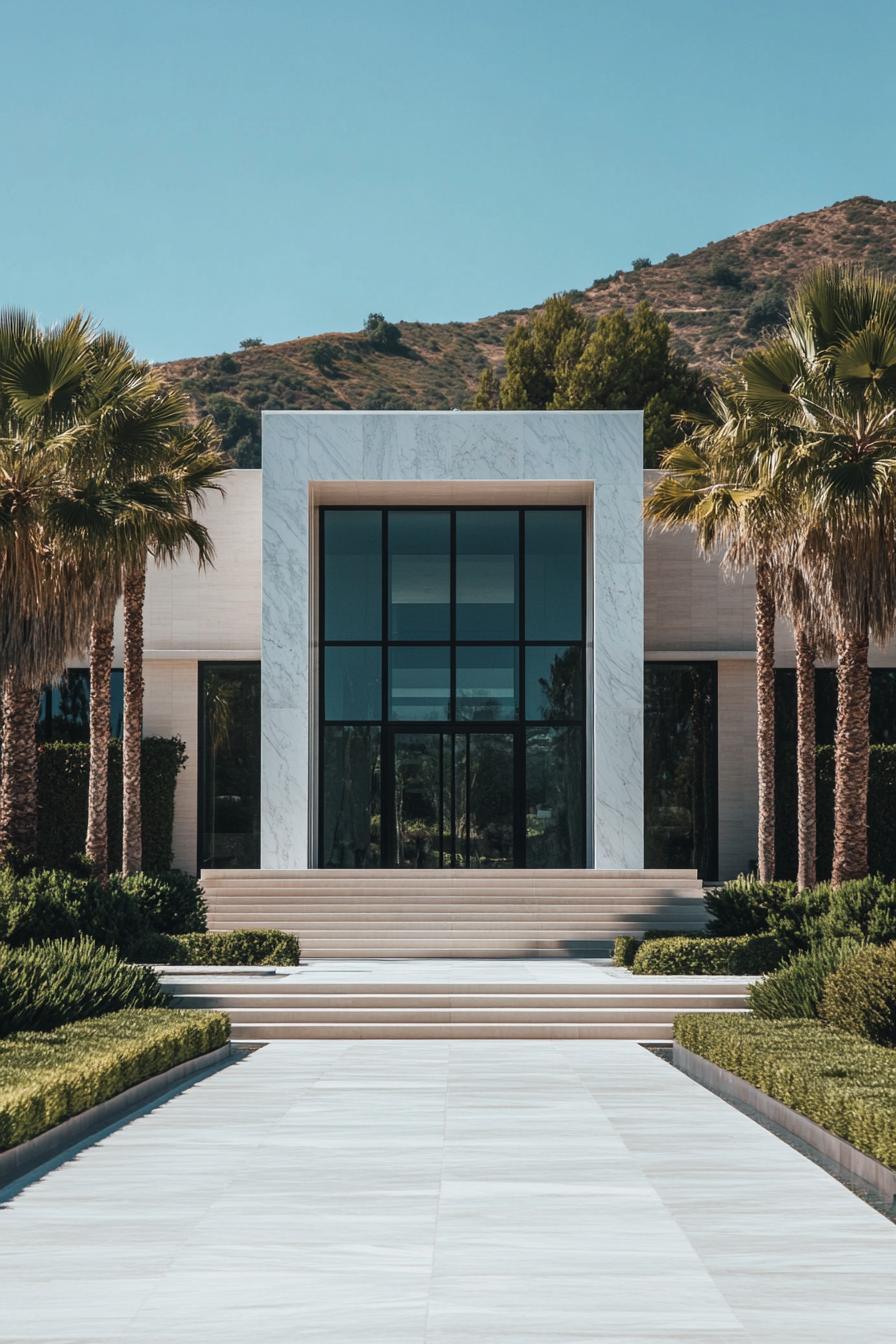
(358,1005)
(366,913)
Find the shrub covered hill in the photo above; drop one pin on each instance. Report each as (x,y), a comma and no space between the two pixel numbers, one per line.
(717,299)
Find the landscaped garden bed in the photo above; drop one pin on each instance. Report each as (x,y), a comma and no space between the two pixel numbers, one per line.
(48,1076)
(843,1083)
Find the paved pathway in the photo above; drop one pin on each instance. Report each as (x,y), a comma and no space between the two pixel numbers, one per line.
(503,1192)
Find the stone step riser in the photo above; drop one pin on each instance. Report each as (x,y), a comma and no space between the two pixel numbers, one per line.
(244,1005)
(265,987)
(213,875)
(473,1016)
(397,1031)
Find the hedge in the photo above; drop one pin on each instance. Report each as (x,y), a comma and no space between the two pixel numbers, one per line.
(881,807)
(62,775)
(237,947)
(625,947)
(860,995)
(843,1083)
(751,954)
(47,1077)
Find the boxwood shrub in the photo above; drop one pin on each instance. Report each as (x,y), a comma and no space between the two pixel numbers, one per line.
(46,1077)
(170,902)
(750,954)
(62,775)
(625,947)
(843,1083)
(860,995)
(47,984)
(238,947)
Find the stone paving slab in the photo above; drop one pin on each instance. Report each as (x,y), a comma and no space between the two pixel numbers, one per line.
(440,1192)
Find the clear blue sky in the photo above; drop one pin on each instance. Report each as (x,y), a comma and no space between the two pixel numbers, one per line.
(201,171)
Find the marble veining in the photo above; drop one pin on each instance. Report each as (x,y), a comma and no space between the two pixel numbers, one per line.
(600,449)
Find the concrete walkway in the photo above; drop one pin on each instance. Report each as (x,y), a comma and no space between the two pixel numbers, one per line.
(502,1192)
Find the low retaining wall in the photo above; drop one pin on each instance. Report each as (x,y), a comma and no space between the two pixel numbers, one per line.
(857,1163)
(26,1157)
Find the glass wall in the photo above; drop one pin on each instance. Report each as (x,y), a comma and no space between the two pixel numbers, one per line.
(681,767)
(462,621)
(883,730)
(229,764)
(64,709)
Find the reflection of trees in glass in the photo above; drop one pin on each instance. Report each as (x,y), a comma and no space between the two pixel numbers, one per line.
(418,791)
(231,764)
(562,686)
(554,787)
(679,761)
(352,798)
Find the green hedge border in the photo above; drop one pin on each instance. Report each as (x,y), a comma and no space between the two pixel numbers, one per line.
(841,1082)
(49,1076)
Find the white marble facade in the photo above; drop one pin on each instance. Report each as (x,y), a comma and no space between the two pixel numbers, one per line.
(374,457)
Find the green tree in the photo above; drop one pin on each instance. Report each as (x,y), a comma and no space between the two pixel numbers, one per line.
(382,335)
(562,360)
(828,386)
(488,390)
(250,342)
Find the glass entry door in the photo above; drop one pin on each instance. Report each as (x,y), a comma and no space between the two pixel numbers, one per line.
(452,799)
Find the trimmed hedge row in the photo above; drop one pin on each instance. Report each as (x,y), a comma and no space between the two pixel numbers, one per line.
(47,1077)
(46,984)
(843,1083)
(62,774)
(239,947)
(750,954)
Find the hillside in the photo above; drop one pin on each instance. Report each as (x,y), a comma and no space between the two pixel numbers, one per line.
(716,298)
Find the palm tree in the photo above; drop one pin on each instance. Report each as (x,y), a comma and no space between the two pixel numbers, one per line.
(829,385)
(712,484)
(191,464)
(43,612)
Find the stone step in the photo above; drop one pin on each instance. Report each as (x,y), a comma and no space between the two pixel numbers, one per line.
(421,1014)
(410,1003)
(214,875)
(646,1032)
(659,988)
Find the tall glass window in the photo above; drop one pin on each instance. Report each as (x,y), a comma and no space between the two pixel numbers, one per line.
(681,767)
(64,709)
(229,764)
(882,726)
(452,727)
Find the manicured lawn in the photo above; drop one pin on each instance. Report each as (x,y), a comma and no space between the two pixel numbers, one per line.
(48,1076)
(842,1082)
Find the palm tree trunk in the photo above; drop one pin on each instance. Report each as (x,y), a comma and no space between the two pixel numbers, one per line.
(18,786)
(98,785)
(851,753)
(765,718)
(805,758)
(132,837)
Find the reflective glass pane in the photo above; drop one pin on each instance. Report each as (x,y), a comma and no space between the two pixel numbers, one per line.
(421,805)
(680,766)
(230,743)
(353,682)
(419,683)
(419,574)
(352,573)
(487,543)
(486,682)
(555,811)
(554,681)
(553,574)
(351,803)
(488,814)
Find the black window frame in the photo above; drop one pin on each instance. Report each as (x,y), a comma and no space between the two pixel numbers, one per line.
(389,727)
